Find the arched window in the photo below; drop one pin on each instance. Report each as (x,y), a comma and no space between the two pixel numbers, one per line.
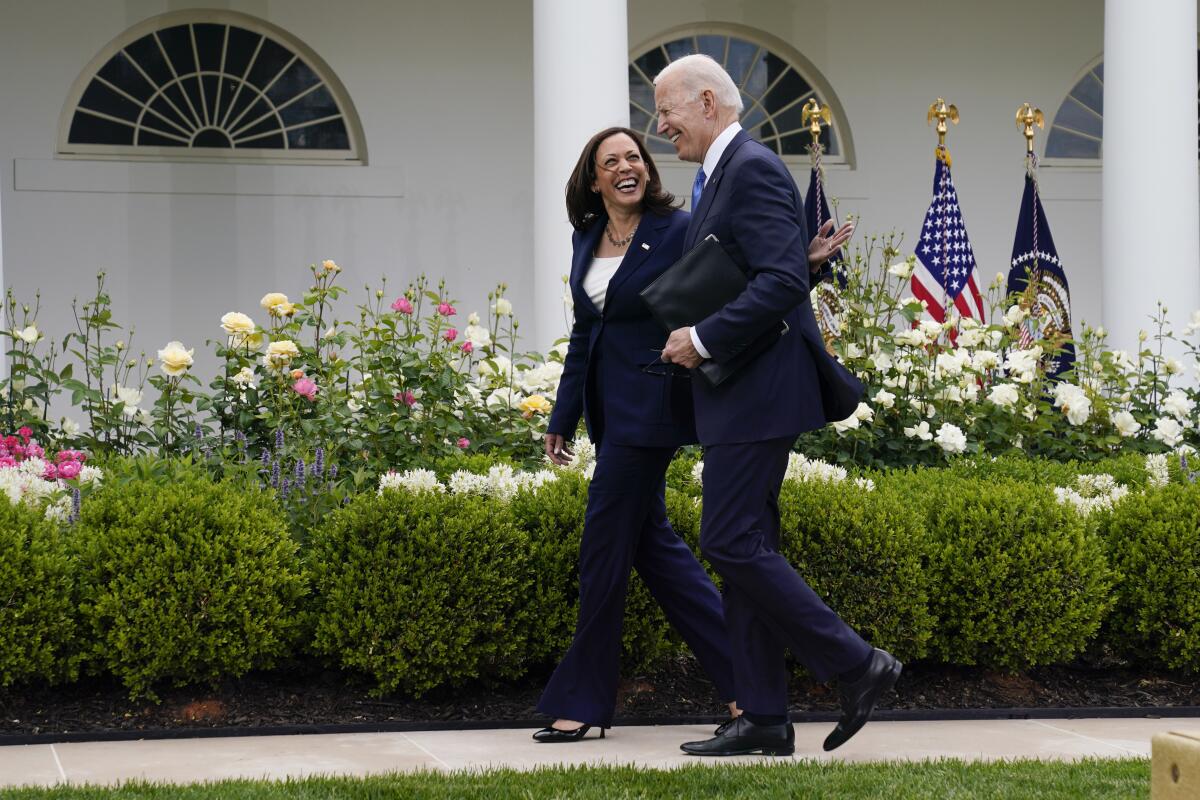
(1077,131)
(775,82)
(210,84)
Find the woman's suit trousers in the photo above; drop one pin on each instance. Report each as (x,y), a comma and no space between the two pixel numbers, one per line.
(626,526)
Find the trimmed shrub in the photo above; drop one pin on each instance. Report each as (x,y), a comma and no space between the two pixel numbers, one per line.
(37,604)
(553,518)
(1128,469)
(863,553)
(1017,579)
(185,581)
(421,591)
(1154,543)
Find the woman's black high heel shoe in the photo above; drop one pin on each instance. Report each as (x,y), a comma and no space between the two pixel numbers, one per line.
(555,736)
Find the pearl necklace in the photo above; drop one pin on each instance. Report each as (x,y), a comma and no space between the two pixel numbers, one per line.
(614,241)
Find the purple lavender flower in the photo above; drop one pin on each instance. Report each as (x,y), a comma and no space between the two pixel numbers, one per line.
(275,475)
(318,467)
(333,470)
(278,439)
(75,504)
(198,433)
(300,473)
(266,458)
(285,489)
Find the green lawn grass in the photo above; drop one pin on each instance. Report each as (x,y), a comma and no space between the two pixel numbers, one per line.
(944,780)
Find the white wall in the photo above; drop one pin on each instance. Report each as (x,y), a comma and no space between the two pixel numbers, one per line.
(445,97)
(887,61)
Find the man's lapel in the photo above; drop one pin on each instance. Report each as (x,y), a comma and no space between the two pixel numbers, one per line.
(700,213)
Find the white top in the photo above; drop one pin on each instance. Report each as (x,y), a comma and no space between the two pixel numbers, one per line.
(595,281)
(711,159)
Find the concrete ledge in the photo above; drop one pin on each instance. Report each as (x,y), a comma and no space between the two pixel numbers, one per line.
(1175,766)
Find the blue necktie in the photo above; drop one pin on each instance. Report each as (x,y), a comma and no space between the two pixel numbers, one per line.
(698,188)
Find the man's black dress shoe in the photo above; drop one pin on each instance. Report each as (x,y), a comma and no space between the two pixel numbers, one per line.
(741,737)
(556,736)
(859,697)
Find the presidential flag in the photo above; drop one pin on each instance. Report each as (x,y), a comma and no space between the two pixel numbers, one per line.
(826,294)
(1037,276)
(946,276)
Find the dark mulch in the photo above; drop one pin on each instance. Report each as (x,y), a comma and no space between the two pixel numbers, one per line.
(304,694)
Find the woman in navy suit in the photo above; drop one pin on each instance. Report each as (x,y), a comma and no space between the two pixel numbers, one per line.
(638,411)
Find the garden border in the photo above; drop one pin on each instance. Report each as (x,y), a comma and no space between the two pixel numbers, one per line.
(882,715)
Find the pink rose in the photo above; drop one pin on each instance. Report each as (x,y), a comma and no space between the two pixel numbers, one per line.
(306,388)
(25,432)
(406,397)
(35,450)
(402,305)
(464,443)
(7,461)
(446,310)
(450,335)
(49,473)
(468,348)
(69,469)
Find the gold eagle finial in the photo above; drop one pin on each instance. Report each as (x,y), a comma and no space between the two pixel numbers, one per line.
(1027,117)
(942,112)
(813,115)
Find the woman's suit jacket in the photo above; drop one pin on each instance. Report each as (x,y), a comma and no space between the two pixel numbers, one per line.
(603,377)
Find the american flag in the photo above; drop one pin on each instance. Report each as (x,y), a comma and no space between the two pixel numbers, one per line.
(946,273)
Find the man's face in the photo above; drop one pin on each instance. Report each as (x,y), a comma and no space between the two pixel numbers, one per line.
(681,119)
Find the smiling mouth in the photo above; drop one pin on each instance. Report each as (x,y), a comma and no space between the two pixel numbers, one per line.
(627,186)
(674,139)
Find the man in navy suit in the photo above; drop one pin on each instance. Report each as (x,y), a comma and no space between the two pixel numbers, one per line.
(746,198)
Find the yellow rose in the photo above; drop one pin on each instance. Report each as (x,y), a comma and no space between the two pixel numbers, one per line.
(175,359)
(280,354)
(534,404)
(330,266)
(254,341)
(272,299)
(284,309)
(237,325)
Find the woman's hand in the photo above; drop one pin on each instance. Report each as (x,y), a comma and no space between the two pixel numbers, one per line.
(557,449)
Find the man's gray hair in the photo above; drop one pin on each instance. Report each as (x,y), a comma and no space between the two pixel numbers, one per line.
(699,72)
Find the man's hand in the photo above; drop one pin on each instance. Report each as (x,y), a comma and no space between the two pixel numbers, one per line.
(680,350)
(825,246)
(557,449)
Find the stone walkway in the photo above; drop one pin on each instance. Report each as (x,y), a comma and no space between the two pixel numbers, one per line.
(188,760)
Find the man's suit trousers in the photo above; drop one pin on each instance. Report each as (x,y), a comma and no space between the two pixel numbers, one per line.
(626,526)
(768,606)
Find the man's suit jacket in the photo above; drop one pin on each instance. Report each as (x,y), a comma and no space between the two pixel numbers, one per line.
(754,208)
(603,377)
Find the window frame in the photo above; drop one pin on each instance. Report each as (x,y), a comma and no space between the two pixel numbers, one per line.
(786,53)
(356,155)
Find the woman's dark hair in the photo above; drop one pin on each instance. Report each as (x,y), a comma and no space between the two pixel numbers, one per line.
(584,204)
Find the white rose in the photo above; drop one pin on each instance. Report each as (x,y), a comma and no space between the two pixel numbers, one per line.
(995,337)
(1015,316)
(473,318)
(1124,422)
(854,350)
(951,438)
(969,389)
(244,377)
(920,431)
(561,349)
(931,328)
(985,359)
(848,424)
(69,427)
(948,364)
(1173,366)
(884,398)
(911,337)
(28,335)
(1168,431)
(504,398)
(971,337)
(175,359)
(127,395)
(501,370)
(864,412)
(477,336)
(1178,405)
(881,360)
(1194,326)
(901,269)
(1030,412)
(1004,395)
(503,307)
(279,354)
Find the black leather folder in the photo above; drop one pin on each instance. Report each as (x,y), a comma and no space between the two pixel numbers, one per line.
(696,286)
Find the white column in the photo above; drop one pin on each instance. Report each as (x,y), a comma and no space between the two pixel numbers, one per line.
(580,86)
(1151,207)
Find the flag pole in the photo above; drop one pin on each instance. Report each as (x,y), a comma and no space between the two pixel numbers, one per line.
(941,111)
(813,115)
(1028,117)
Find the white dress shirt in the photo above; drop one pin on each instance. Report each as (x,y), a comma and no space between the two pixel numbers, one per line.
(711,159)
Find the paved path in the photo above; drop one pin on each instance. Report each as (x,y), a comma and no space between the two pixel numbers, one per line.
(188,760)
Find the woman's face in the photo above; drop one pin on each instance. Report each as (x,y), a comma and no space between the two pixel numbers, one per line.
(621,174)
